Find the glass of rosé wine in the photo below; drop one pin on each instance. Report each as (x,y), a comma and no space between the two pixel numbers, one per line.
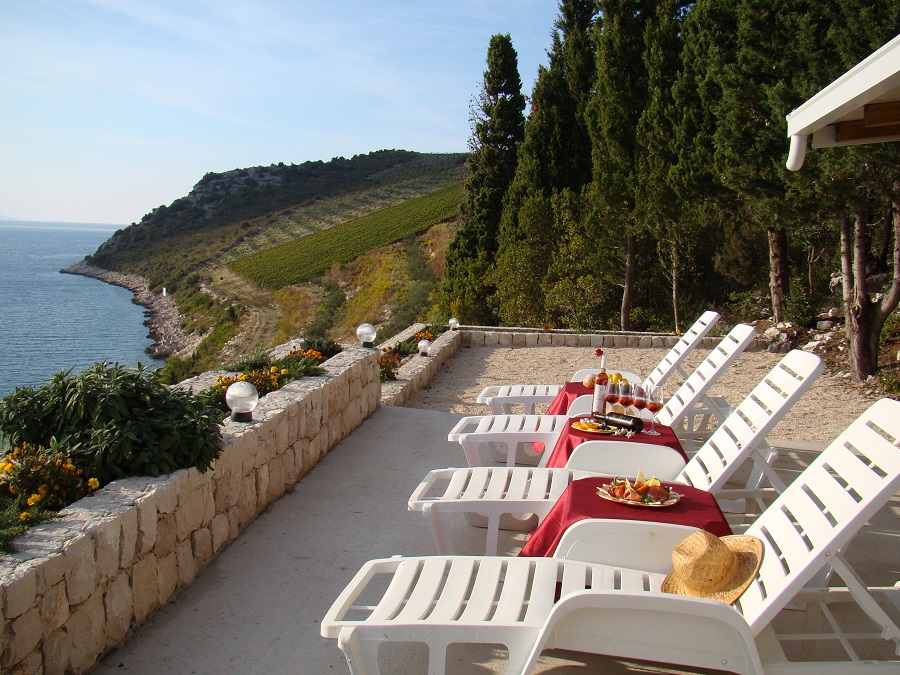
(640,397)
(626,397)
(654,400)
(611,397)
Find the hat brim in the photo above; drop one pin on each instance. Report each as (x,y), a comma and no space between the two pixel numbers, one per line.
(749,552)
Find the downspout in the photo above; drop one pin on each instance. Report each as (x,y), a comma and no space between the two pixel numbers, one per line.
(797,153)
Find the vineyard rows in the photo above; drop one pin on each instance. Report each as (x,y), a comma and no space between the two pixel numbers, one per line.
(300,259)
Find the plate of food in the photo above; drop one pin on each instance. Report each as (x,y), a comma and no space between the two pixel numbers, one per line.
(591,427)
(642,492)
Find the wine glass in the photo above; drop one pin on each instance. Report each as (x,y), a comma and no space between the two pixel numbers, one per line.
(611,396)
(626,397)
(640,397)
(655,398)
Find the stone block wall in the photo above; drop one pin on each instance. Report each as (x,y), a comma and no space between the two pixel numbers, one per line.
(472,336)
(76,586)
(418,370)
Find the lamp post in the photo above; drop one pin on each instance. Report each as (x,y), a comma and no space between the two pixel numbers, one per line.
(425,347)
(242,399)
(453,323)
(366,334)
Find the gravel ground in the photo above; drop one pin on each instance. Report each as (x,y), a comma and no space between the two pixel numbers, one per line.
(823,412)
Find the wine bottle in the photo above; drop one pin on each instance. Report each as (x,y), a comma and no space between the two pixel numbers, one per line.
(620,421)
(598,405)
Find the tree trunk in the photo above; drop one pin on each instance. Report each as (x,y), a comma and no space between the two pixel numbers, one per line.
(810,277)
(628,292)
(779,281)
(863,360)
(676,289)
(884,239)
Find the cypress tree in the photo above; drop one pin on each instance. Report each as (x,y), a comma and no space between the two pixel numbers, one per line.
(619,97)
(554,156)
(498,130)
(656,209)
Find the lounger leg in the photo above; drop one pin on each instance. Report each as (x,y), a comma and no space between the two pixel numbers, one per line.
(361,653)
(493,533)
(473,452)
(440,529)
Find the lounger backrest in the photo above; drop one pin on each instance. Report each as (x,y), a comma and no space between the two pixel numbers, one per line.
(743,430)
(672,361)
(691,392)
(822,510)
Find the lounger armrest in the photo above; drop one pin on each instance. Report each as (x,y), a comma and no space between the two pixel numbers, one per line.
(466,425)
(634,544)
(334,619)
(418,498)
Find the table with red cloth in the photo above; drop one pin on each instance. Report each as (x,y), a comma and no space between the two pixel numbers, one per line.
(569,392)
(580,500)
(570,438)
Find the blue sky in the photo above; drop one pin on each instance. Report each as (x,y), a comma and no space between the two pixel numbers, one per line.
(110,108)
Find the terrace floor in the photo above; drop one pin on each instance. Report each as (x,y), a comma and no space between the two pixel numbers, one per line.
(257,607)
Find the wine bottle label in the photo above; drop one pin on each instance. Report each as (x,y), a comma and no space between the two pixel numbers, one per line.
(598,406)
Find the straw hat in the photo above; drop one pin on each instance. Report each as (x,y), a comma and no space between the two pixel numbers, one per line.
(707,566)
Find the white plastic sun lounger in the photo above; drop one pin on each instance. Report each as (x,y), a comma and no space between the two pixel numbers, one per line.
(501,398)
(510,436)
(601,593)
(519,498)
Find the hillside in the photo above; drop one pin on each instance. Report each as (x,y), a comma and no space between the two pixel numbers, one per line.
(216,249)
(227,215)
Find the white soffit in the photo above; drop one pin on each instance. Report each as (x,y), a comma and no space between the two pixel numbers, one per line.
(861,106)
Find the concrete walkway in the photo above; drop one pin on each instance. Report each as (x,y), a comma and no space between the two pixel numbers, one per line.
(257,607)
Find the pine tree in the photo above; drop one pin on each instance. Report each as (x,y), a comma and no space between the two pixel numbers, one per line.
(498,130)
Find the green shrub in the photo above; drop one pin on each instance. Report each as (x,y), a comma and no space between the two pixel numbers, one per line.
(797,307)
(114,422)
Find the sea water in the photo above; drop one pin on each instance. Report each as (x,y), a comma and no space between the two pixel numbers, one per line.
(50,321)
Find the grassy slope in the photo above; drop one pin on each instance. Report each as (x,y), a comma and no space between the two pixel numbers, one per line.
(300,259)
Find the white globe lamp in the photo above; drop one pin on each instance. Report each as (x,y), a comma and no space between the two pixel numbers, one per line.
(366,334)
(424,347)
(242,399)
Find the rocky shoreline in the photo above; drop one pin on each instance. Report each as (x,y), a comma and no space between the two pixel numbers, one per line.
(164,319)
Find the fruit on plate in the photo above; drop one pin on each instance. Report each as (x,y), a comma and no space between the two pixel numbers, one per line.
(647,491)
(587,425)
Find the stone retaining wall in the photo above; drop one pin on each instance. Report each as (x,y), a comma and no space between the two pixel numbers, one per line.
(418,370)
(528,337)
(78,585)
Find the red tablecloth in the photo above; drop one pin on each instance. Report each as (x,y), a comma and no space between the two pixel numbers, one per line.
(570,438)
(569,392)
(697,508)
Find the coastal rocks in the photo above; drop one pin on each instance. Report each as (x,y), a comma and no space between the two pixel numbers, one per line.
(164,321)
